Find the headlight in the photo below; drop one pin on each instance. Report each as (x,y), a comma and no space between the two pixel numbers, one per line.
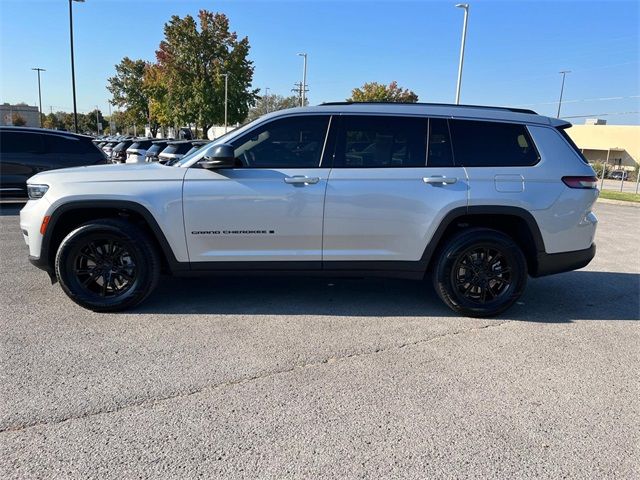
(36,191)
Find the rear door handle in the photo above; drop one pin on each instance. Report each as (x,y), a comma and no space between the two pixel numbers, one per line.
(440,180)
(301,180)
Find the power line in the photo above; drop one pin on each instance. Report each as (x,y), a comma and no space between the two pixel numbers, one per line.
(608,114)
(579,100)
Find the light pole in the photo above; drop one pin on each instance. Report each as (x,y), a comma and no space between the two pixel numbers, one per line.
(564,73)
(266,99)
(38,69)
(73,71)
(464,6)
(226,99)
(97,121)
(111,129)
(304,79)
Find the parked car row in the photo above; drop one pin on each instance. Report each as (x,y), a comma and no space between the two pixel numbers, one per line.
(126,149)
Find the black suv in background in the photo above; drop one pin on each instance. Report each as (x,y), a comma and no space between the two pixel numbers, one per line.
(26,151)
(174,151)
(154,150)
(119,152)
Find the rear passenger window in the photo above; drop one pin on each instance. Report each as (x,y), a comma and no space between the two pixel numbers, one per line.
(440,153)
(492,144)
(379,142)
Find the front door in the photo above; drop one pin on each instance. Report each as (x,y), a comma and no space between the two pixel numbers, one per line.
(267,209)
(385,196)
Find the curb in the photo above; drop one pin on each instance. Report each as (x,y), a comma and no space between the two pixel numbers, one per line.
(619,202)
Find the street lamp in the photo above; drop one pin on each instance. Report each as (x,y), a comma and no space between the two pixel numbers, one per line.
(304,79)
(464,6)
(563,73)
(226,99)
(38,69)
(73,71)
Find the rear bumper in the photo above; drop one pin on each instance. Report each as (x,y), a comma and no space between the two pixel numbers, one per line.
(550,263)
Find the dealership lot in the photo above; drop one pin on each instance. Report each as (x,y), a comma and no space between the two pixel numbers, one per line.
(304,378)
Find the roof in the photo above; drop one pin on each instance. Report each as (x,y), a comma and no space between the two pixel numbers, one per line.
(49,131)
(479,112)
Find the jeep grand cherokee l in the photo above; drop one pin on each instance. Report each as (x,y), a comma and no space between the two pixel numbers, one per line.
(473,198)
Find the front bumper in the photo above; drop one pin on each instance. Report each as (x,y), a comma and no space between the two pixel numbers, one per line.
(550,263)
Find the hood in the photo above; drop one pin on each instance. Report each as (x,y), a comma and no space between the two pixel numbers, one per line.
(114,172)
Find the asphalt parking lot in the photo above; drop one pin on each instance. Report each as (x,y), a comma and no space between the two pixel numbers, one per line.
(317,378)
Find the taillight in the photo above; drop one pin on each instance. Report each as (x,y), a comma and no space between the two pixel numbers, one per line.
(580,182)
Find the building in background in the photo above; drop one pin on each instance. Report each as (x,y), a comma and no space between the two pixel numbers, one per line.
(616,145)
(9,113)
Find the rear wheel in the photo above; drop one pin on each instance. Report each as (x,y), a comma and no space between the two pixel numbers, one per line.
(107,265)
(480,273)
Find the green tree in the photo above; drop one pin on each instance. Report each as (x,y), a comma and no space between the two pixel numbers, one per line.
(50,121)
(87,122)
(195,59)
(128,90)
(271,103)
(377,92)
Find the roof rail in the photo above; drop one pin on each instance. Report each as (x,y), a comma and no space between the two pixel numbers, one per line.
(510,109)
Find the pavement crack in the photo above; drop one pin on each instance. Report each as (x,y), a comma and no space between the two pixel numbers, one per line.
(241,381)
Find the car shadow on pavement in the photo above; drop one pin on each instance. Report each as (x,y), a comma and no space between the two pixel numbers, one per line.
(580,295)
(10,208)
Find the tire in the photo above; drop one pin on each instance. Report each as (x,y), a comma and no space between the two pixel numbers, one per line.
(107,265)
(480,272)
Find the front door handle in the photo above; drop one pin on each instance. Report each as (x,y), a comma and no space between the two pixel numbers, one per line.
(440,180)
(301,180)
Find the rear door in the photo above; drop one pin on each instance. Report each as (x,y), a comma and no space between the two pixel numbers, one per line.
(385,198)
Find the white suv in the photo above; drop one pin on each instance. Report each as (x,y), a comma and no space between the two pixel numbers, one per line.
(476,198)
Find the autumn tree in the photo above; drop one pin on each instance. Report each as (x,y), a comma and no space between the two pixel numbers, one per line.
(155,84)
(194,58)
(271,103)
(377,92)
(18,120)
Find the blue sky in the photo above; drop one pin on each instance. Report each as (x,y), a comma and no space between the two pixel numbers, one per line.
(514,49)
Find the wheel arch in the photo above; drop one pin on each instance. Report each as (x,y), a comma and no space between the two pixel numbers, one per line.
(70,215)
(516,222)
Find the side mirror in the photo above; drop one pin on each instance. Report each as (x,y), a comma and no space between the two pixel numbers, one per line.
(220,156)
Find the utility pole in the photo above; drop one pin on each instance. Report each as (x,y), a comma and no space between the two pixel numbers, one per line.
(563,73)
(226,99)
(266,99)
(464,6)
(38,69)
(73,71)
(303,89)
(97,121)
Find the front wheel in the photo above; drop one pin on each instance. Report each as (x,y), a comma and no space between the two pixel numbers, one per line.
(107,265)
(480,273)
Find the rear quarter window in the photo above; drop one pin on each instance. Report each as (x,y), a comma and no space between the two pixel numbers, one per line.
(492,144)
(62,145)
(21,143)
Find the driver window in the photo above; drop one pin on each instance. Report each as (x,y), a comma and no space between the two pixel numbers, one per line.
(294,142)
